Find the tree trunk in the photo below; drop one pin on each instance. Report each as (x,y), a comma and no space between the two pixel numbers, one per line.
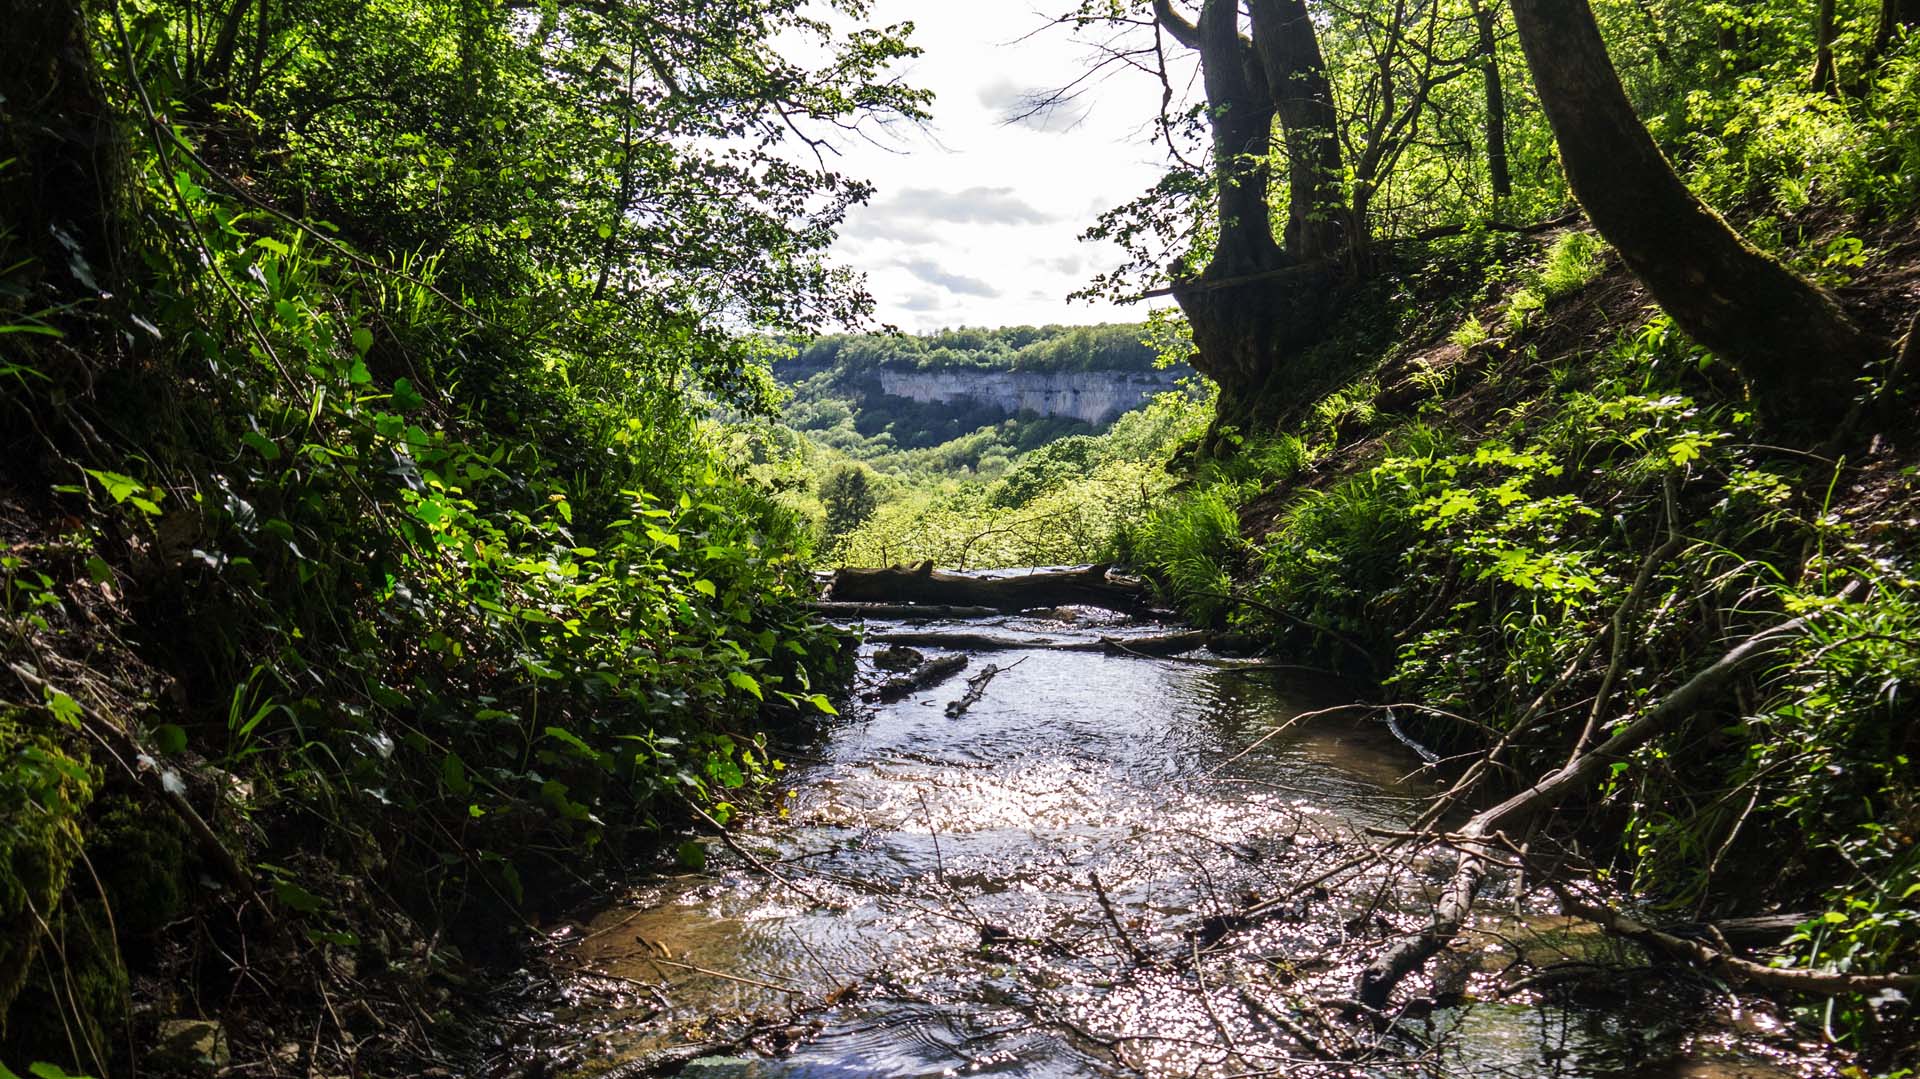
(1244,332)
(1797,349)
(1498,170)
(1242,119)
(1895,16)
(1257,303)
(1826,79)
(1296,70)
(61,195)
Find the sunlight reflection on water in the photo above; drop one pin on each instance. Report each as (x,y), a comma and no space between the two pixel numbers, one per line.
(969,937)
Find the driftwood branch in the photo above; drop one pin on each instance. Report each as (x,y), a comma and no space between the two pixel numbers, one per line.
(1379,979)
(977,688)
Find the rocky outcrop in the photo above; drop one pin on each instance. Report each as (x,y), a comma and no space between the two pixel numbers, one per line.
(1092,396)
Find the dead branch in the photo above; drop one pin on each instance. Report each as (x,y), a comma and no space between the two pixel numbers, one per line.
(1113,919)
(1823,983)
(977,688)
(1379,979)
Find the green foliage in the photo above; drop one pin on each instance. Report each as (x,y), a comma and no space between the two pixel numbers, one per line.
(409,378)
(1487,567)
(1068,502)
(848,498)
(1191,545)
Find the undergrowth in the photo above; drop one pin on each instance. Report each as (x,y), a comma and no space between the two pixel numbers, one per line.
(1566,551)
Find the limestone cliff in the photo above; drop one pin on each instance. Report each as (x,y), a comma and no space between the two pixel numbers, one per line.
(1091,396)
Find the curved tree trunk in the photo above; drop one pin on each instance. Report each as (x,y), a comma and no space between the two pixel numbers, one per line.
(1797,348)
(1242,119)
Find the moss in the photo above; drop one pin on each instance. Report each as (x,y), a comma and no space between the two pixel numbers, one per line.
(43,791)
(73,1002)
(142,861)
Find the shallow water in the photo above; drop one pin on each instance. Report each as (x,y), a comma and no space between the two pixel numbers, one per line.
(1036,887)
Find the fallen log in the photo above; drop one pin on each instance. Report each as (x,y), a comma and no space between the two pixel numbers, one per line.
(1157,647)
(1165,644)
(902,612)
(1484,830)
(922,584)
(924,677)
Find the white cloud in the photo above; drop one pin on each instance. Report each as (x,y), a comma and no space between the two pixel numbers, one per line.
(976,220)
(933,274)
(970,206)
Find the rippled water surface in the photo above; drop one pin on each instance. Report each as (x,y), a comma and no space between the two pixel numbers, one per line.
(1050,884)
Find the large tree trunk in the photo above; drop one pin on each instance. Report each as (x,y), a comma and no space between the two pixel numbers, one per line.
(1242,118)
(1793,343)
(1257,302)
(1498,171)
(1244,332)
(60,195)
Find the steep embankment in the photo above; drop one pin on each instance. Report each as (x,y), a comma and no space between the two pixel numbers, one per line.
(1538,518)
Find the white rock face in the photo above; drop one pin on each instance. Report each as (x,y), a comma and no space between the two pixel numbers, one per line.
(1092,396)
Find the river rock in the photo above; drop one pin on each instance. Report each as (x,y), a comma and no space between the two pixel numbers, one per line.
(196,1045)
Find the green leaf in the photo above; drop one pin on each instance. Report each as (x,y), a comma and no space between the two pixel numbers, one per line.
(453,772)
(692,855)
(64,708)
(119,487)
(561,734)
(297,897)
(819,700)
(169,738)
(405,397)
(705,588)
(743,680)
(362,340)
(261,445)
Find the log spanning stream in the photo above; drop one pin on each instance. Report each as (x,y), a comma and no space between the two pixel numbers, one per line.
(1104,865)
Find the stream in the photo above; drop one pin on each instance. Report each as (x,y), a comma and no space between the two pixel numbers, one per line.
(1054,883)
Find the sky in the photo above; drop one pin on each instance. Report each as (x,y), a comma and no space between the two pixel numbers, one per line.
(975,222)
